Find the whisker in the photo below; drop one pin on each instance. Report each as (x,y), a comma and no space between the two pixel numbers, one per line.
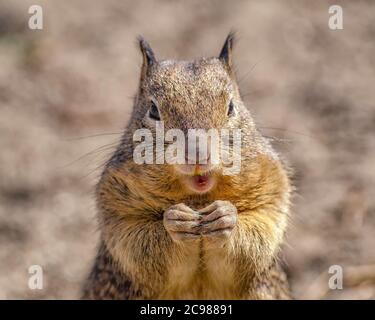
(246,75)
(289,131)
(94,135)
(92,152)
(100,166)
(247,94)
(272,138)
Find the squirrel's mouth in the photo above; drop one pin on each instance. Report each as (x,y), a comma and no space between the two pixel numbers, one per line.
(197,178)
(200,182)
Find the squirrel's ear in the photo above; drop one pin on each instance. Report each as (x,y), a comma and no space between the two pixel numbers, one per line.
(147,53)
(226,51)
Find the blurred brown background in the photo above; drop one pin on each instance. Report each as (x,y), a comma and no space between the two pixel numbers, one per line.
(310,88)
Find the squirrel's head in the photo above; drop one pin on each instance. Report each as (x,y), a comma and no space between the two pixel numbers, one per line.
(185,95)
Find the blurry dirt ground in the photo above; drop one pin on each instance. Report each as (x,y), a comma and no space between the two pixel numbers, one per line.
(311,88)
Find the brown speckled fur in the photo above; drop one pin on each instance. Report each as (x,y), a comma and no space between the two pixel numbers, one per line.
(137,258)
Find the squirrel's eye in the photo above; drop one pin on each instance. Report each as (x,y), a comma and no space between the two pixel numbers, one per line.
(230,109)
(154,112)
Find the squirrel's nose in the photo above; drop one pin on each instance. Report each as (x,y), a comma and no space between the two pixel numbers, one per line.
(194,154)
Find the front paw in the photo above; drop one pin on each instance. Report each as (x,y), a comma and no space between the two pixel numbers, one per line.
(182,223)
(218,221)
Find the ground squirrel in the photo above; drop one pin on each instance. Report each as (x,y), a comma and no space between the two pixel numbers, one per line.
(168,232)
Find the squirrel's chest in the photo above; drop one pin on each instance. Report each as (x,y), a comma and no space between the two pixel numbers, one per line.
(200,274)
